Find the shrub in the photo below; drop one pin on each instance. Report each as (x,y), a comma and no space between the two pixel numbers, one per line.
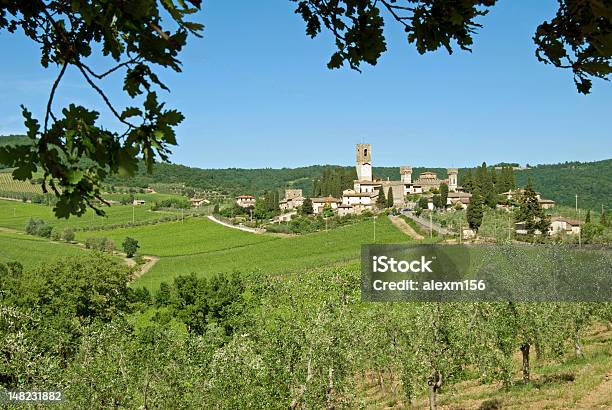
(56,235)
(68,235)
(100,244)
(44,231)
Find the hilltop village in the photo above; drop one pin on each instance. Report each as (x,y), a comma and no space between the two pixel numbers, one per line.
(366,190)
(410,196)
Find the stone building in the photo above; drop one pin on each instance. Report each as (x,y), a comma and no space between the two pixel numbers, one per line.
(293,198)
(245,201)
(319,203)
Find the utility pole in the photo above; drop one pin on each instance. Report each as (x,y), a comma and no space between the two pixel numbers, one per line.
(576,204)
(374,228)
(133,213)
(430,226)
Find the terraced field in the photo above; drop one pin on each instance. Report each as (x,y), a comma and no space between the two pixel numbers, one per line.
(204,247)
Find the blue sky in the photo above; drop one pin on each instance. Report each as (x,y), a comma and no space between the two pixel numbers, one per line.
(256,93)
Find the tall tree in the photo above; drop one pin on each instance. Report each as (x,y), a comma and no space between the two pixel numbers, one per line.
(443,194)
(307,207)
(390,203)
(530,211)
(474,210)
(381,201)
(467,181)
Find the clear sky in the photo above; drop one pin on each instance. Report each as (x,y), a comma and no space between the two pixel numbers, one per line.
(256,93)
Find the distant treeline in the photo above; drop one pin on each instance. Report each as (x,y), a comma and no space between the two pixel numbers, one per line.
(591,181)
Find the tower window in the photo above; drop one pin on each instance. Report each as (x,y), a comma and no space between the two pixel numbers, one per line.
(365,152)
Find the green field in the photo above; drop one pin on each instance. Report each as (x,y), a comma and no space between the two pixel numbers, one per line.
(15,215)
(201,246)
(31,251)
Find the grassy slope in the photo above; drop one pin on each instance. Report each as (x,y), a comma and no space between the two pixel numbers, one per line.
(204,247)
(30,250)
(15,215)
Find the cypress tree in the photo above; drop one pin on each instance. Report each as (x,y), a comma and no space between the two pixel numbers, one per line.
(474,210)
(390,198)
(602,218)
(587,219)
(467,182)
(307,207)
(531,212)
(443,195)
(381,201)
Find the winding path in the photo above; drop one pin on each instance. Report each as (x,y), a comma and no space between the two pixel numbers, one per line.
(239,227)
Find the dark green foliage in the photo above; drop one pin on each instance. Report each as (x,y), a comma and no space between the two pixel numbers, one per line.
(84,152)
(467,181)
(474,212)
(592,181)
(577,38)
(437,201)
(333,181)
(443,194)
(390,198)
(130,246)
(602,219)
(587,219)
(307,207)
(423,203)
(530,211)
(381,200)
(216,209)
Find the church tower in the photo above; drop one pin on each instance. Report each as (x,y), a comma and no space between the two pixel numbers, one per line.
(364,162)
(452,179)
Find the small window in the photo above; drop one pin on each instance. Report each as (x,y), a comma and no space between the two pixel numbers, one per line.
(365,152)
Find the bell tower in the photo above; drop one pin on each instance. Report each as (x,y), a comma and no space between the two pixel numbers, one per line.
(452,179)
(364,162)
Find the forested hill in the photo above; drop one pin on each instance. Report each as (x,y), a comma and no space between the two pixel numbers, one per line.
(592,181)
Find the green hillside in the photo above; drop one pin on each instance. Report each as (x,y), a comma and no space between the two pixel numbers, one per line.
(592,181)
(201,246)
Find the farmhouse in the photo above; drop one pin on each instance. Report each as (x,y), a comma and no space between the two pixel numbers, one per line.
(198,202)
(138,202)
(319,203)
(559,224)
(458,198)
(245,201)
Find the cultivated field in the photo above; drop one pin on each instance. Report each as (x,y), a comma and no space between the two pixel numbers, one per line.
(15,215)
(204,247)
(31,251)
